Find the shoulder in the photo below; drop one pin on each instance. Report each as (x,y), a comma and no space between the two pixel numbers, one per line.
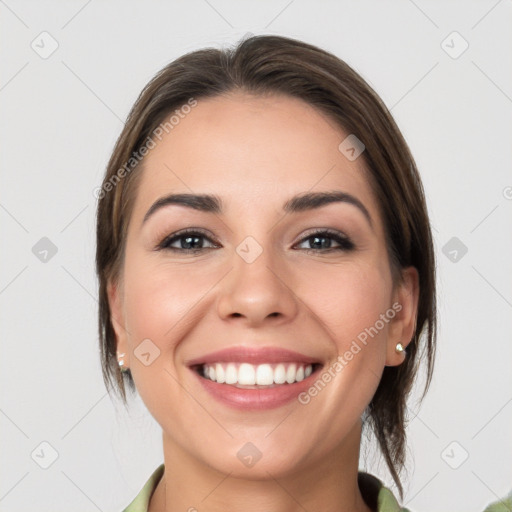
(503,505)
(141,501)
(381,499)
(378,497)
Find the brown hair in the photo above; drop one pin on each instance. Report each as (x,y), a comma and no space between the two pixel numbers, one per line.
(277,65)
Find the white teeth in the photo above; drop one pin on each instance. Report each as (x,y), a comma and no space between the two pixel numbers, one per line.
(220,374)
(266,374)
(231,374)
(280,374)
(246,375)
(290,374)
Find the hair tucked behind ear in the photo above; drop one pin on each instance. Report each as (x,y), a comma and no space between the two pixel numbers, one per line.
(265,65)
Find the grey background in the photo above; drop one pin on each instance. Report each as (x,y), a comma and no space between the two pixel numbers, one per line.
(60,118)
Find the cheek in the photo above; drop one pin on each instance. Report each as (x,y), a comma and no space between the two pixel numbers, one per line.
(349,303)
(160,309)
(164,303)
(348,300)
(158,301)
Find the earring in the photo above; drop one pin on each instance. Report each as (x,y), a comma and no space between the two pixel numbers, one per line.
(121,363)
(399,348)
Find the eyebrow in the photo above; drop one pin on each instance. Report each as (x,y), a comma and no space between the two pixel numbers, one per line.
(303,202)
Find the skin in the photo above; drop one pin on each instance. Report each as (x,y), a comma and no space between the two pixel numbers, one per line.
(314,302)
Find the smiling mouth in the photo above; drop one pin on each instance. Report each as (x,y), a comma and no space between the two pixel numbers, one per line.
(256,376)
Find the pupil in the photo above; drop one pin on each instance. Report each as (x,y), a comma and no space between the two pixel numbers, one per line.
(189,240)
(325,245)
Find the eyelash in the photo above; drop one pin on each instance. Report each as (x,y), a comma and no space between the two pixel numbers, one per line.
(345,244)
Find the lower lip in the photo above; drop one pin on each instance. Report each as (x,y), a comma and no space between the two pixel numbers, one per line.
(255,399)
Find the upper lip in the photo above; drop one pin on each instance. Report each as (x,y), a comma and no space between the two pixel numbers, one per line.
(253,355)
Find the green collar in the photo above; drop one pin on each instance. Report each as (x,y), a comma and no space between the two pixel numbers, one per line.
(378,497)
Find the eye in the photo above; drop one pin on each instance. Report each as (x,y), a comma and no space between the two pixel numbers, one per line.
(321,241)
(186,241)
(193,240)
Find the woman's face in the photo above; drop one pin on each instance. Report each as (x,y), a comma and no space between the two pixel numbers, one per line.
(252,294)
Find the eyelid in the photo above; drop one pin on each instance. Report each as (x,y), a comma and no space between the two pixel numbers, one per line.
(183,232)
(322,231)
(339,237)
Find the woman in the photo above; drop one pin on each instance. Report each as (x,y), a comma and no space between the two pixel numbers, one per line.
(267,279)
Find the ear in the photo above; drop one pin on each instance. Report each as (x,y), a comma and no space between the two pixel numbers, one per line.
(117,317)
(402,326)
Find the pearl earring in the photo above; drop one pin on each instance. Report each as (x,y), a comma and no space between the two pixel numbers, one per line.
(399,348)
(121,363)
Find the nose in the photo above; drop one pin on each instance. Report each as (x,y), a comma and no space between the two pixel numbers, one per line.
(257,292)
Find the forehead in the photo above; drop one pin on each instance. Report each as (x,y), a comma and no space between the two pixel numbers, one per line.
(248,149)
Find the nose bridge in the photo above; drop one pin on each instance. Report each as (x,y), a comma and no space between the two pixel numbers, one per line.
(256,288)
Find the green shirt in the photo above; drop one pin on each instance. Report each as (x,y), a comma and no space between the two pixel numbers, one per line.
(378,497)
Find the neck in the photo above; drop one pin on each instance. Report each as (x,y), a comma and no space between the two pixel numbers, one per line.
(329,484)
